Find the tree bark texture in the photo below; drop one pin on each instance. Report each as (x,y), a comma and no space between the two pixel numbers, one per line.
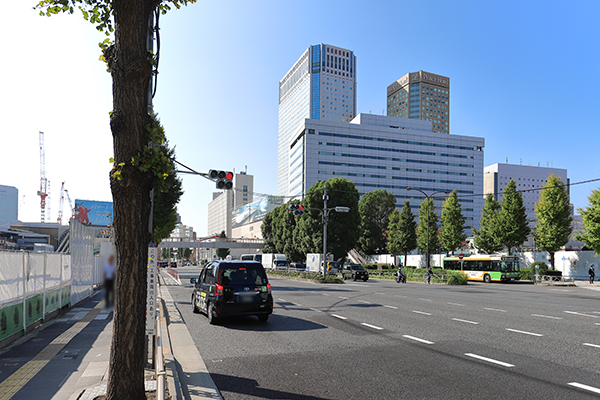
(131,73)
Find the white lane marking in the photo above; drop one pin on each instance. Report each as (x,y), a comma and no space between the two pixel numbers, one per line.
(342,297)
(425,299)
(314,309)
(596,323)
(545,316)
(282,299)
(399,295)
(395,308)
(324,294)
(379,293)
(591,345)
(456,304)
(371,326)
(296,304)
(364,301)
(417,339)
(464,320)
(524,332)
(490,360)
(585,387)
(562,290)
(494,309)
(582,314)
(338,316)
(421,312)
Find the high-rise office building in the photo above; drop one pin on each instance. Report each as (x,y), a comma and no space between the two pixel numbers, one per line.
(9,204)
(321,86)
(421,95)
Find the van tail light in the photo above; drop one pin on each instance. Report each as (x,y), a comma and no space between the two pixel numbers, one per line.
(268,288)
(218,290)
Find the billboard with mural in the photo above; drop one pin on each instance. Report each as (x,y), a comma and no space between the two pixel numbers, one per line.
(255,211)
(90,212)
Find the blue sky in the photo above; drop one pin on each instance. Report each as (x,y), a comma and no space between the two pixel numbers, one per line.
(523,75)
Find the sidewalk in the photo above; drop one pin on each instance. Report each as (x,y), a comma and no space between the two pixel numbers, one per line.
(67,358)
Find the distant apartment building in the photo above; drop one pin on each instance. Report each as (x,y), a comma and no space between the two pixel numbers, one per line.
(223,203)
(421,95)
(529,180)
(321,85)
(379,152)
(9,204)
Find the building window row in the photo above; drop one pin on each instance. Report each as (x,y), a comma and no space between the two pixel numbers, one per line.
(352,146)
(376,139)
(402,178)
(427,171)
(364,156)
(426,189)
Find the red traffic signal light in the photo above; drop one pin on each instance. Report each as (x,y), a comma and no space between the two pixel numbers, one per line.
(229,175)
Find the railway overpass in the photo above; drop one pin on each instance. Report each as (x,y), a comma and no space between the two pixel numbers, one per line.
(217,243)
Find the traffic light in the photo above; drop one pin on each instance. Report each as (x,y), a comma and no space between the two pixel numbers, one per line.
(223,179)
(297,209)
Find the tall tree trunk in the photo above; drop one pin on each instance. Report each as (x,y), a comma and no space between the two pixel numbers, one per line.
(405,258)
(131,72)
(552,260)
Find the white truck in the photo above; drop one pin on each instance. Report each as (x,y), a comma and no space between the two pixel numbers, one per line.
(314,263)
(272,261)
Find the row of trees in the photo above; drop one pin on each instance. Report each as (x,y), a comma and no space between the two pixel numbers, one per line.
(375,226)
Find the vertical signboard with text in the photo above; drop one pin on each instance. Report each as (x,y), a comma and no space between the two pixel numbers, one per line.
(151,291)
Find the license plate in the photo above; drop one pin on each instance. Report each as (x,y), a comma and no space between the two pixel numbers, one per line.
(247,298)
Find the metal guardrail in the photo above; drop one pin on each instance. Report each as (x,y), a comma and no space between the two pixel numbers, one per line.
(159,363)
(553,280)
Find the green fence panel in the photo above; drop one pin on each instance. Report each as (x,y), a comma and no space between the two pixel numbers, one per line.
(52,300)
(65,296)
(34,309)
(11,320)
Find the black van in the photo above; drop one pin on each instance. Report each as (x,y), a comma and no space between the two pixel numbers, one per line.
(226,288)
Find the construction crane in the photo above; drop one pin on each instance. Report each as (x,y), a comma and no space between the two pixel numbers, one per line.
(43,192)
(60,204)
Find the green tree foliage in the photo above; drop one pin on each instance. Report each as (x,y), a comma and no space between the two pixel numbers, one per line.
(375,208)
(165,204)
(342,228)
(138,167)
(284,226)
(553,212)
(590,234)
(267,233)
(452,233)
(187,252)
(513,223)
(422,229)
(488,237)
(222,253)
(402,231)
(167,253)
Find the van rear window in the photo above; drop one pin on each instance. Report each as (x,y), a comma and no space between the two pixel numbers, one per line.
(243,275)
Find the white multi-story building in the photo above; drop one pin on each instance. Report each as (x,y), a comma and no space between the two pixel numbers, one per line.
(529,180)
(379,152)
(321,86)
(9,204)
(223,203)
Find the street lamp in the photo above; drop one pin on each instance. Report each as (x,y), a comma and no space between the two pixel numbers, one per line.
(428,197)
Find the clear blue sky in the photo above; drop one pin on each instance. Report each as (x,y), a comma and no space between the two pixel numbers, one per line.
(524,75)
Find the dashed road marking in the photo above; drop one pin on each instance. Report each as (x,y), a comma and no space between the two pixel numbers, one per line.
(395,308)
(371,326)
(296,304)
(342,297)
(524,332)
(585,387)
(338,316)
(545,316)
(421,312)
(582,314)
(494,309)
(456,304)
(465,320)
(417,339)
(324,294)
(314,309)
(490,360)
(282,299)
(364,301)
(591,345)
(425,299)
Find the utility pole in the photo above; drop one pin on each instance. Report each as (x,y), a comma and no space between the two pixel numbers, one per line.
(325,218)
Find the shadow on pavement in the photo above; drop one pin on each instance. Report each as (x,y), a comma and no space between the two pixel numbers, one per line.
(250,387)
(276,323)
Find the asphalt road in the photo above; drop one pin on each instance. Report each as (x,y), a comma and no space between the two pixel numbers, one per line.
(382,340)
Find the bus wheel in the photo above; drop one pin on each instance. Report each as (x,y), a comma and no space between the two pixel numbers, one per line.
(486,278)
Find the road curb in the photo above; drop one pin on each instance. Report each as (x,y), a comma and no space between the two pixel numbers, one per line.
(195,380)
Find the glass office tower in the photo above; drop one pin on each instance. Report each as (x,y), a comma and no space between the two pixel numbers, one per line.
(321,85)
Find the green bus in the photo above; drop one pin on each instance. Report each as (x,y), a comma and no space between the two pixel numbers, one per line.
(486,268)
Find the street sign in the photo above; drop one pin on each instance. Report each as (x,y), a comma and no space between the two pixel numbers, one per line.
(460,256)
(151,291)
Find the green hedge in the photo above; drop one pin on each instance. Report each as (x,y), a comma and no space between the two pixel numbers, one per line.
(528,274)
(312,276)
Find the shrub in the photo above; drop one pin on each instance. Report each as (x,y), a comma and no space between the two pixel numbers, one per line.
(553,273)
(455,278)
(541,265)
(526,274)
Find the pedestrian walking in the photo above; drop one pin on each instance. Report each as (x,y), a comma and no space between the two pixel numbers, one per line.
(592,274)
(429,273)
(109,281)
